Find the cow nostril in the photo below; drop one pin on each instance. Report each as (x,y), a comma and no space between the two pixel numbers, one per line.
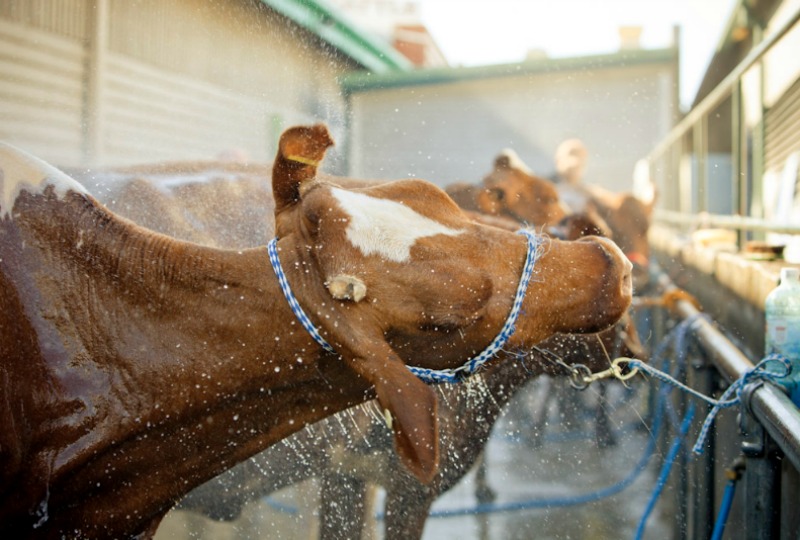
(627,283)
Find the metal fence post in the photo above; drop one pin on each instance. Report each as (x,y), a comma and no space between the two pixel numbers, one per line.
(702,473)
(762,476)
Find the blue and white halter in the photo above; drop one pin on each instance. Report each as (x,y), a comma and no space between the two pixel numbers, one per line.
(425,374)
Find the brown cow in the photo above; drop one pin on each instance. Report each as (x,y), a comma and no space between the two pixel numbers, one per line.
(346,460)
(511,192)
(136,366)
(326,451)
(626,215)
(214,203)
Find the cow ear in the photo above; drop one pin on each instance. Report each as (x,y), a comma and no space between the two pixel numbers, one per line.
(410,408)
(300,151)
(502,161)
(652,204)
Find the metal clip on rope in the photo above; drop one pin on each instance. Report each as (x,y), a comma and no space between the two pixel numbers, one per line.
(581,376)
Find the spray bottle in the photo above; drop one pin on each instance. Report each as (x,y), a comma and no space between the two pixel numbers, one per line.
(782,310)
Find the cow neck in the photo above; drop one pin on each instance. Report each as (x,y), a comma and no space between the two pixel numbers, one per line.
(534,245)
(155,305)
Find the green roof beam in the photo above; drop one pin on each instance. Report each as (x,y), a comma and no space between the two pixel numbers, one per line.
(359,82)
(332,27)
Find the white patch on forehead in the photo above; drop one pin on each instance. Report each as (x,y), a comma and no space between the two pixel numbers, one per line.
(21,171)
(385,227)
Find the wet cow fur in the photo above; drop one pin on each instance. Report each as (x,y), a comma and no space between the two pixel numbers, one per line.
(137,366)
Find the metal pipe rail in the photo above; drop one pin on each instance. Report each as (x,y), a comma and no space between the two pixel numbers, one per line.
(768,404)
(725,222)
(723,89)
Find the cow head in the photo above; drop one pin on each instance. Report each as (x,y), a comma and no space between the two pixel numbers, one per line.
(571,157)
(396,274)
(512,190)
(578,225)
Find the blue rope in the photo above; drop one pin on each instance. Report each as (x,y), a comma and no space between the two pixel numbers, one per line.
(731,396)
(534,243)
(272,249)
(280,506)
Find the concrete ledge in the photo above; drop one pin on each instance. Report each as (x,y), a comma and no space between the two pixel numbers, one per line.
(730,287)
(751,280)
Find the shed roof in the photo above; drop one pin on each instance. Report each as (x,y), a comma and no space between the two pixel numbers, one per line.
(742,32)
(358,81)
(331,26)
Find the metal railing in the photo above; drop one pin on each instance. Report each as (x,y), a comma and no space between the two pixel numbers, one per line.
(693,193)
(735,222)
(683,164)
(725,88)
(766,437)
(773,409)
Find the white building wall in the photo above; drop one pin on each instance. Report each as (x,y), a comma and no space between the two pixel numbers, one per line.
(452,131)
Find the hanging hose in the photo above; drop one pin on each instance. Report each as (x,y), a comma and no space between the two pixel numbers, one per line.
(666,469)
(734,473)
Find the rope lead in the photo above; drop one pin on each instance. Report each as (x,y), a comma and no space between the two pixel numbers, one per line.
(732,395)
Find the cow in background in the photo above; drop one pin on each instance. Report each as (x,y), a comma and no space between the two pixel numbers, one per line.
(510,193)
(626,215)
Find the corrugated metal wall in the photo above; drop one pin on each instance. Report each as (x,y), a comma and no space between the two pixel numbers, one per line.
(66,18)
(42,67)
(115,82)
(782,129)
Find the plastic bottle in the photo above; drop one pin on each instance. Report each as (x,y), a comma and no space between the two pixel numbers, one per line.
(782,310)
